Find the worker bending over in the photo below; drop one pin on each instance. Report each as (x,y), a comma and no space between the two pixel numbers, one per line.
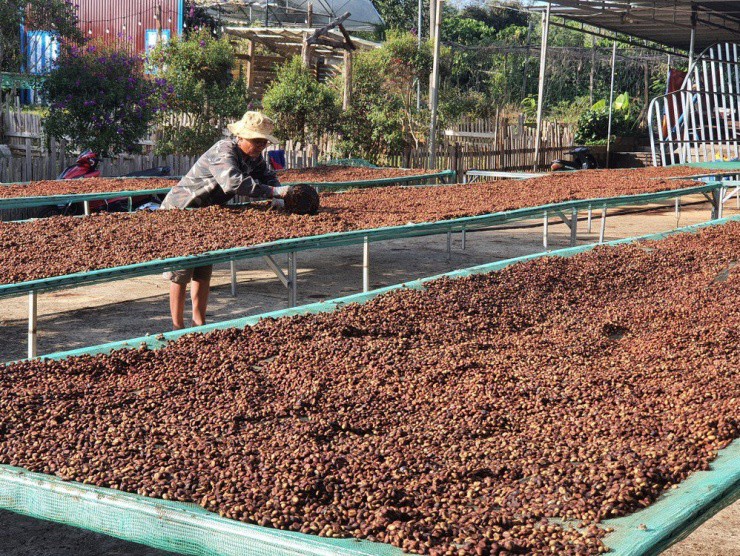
(230,167)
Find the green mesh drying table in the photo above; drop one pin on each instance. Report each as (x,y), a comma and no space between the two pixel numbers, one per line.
(40,201)
(189,529)
(566,211)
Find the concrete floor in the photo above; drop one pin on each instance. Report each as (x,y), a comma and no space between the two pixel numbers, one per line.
(119,310)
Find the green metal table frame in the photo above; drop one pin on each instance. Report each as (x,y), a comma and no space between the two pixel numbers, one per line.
(566,211)
(85,198)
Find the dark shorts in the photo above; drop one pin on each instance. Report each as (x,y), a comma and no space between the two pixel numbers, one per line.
(185,275)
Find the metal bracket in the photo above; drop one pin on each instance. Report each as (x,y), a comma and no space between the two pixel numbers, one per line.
(571,222)
(276,269)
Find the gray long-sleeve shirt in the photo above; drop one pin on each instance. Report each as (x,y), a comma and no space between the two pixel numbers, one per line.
(218,175)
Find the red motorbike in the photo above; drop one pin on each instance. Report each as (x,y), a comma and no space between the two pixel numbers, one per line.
(86,166)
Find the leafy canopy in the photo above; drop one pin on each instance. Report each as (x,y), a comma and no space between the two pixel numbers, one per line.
(302,107)
(199,69)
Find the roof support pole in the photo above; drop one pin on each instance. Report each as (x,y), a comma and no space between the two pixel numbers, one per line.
(541,84)
(693,36)
(418,42)
(611,104)
(434,97)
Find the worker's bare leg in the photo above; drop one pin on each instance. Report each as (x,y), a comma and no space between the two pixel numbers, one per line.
(199,290)
(177,304)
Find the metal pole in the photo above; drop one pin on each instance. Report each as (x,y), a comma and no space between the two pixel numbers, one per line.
(86,205)
(611,104)
(292,280)
(365,265)
(434,96)
(692,41)
(541,83)
(463,238)
(233,278)
(418,42)
(545,224)
(449,246)
(32,323)
(603,225)
(573,226)
(590,215)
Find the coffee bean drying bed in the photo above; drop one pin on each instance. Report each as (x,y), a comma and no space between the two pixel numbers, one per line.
(189,529)
(565,211)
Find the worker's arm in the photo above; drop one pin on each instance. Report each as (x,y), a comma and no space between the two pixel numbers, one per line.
(264,174)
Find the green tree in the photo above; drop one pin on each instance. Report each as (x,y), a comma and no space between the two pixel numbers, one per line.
(402,14)
(302,107)
(382,117)
(99,98)
(58,16)
(199,68)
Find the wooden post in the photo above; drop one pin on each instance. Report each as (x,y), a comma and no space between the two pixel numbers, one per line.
(306,52)
(455,162)
(250,64)
(347,98)
(309,15)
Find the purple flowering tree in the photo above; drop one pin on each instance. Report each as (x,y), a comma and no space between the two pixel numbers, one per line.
(100,98)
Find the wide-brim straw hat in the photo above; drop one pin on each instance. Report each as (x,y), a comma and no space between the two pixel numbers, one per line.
(254,125)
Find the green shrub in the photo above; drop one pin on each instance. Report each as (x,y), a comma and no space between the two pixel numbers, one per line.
(302,107)
(199,68)
(593,125)
(382,116)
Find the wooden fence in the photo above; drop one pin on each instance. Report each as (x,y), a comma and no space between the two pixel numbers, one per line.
(506,147)
(500,145)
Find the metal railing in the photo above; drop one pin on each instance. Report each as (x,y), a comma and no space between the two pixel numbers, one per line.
(701,121)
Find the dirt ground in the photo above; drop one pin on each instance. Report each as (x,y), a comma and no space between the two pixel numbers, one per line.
(120,310)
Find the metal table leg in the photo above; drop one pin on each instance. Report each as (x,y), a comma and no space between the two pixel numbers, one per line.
(233,278)
(366,265)
(573,227)
(32,323)
(545,225)
(603,224)
(292,280)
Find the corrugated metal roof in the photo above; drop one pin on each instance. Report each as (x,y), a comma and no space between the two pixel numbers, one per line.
(292,13)
(126,21)
(667,22)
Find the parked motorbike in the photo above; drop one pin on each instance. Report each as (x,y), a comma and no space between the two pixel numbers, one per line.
(86,166)
(582,160)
